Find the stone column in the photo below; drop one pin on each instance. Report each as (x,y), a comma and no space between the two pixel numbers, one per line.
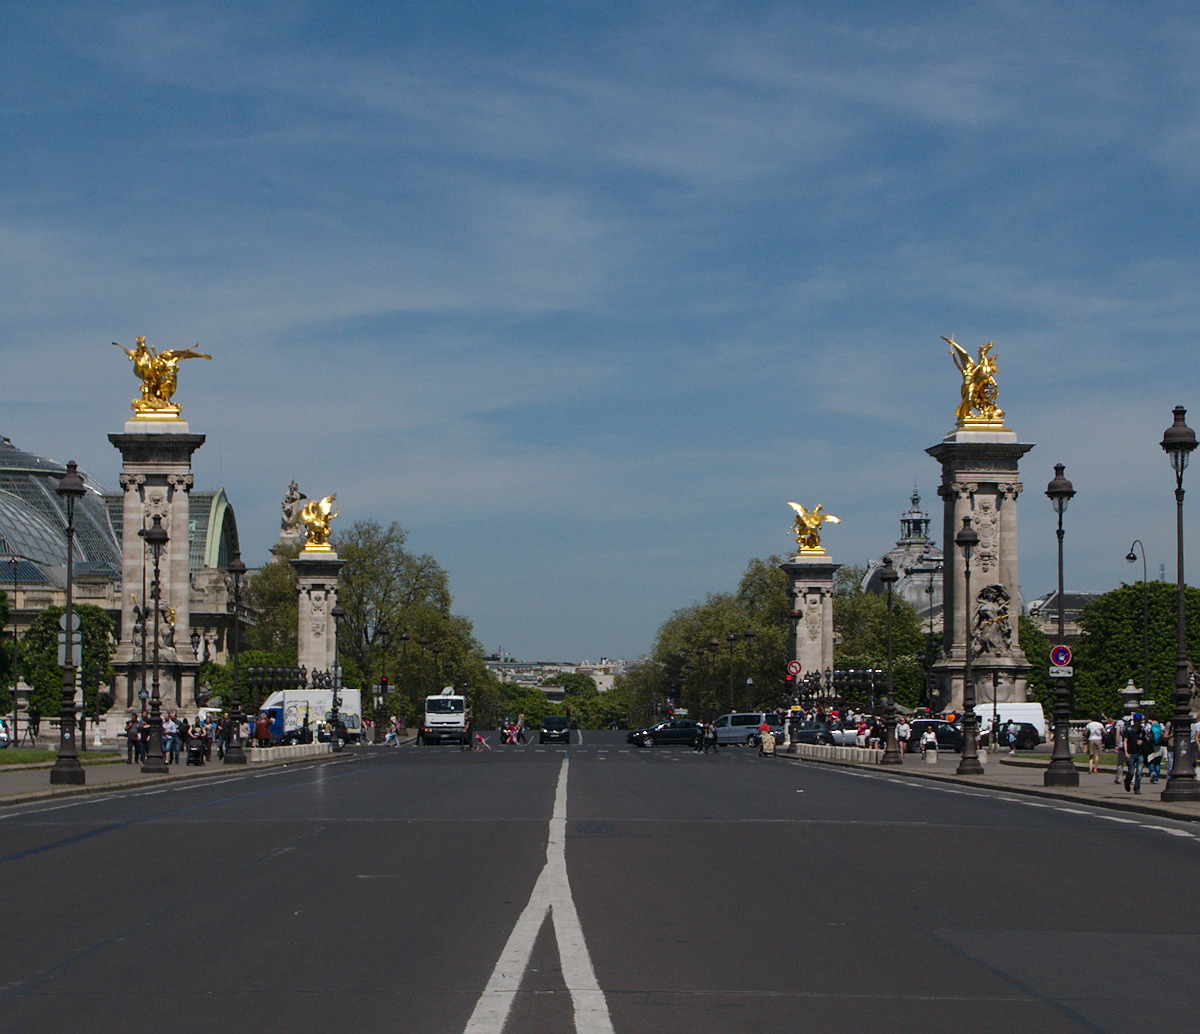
(810,589)
(317,583)
(156,476)
(979,480)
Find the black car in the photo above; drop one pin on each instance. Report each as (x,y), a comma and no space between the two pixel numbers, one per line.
(1027,737)
(673,731)
(949,737)
(813,732)
(555,729)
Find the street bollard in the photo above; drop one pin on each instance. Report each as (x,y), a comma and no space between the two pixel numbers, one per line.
(931,755)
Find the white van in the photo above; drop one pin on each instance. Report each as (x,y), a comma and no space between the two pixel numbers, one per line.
(1024,711)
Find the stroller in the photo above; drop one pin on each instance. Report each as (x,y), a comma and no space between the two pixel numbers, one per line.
(195,750)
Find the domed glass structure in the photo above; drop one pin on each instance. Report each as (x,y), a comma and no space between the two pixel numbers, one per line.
(33,517)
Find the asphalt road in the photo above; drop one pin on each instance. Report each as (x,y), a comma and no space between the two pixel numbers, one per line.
(429,890)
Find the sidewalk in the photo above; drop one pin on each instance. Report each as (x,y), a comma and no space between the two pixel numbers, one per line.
(26,784)
(1025,775)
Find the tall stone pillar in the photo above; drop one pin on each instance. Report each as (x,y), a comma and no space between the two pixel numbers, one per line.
(810,590)
(156,476)
(317,570)
(979,480)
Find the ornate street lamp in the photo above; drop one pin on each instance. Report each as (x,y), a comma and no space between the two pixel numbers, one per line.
(1178,442)
(67,768)
(891,753)
(234,754)
(337,614)
(966,540)
(731,639)
(1132,557)
(748,636)
(383,630)
(156,539)
(1061,771)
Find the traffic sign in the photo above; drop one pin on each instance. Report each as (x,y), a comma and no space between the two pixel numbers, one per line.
(794,667)
(62,621)
(1060,656)
(1061,671)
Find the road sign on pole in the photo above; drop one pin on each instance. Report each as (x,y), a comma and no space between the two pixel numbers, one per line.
(794,667)
(1060,656)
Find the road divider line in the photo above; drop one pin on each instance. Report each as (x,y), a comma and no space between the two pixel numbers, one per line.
(551,895)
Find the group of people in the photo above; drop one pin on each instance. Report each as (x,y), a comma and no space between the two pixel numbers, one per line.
(1142,744)
(177,733)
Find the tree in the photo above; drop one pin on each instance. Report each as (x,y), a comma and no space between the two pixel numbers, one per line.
(860,634)
(573,683)
(38,659)
(1110,651)
(380,580)
(270,597)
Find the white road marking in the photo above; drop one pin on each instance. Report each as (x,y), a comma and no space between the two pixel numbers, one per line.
(551,894)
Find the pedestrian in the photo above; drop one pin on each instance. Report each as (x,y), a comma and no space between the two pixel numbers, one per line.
(170,734)
(710,737)
(262,730)
(1095,739)
(468,740)
(903,734)
(1135,750)
(481,743)
(1119,745)
(520,730)
(133,734)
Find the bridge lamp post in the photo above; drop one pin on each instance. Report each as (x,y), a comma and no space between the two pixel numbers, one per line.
(1061,771)
(967,540)
(1178,442)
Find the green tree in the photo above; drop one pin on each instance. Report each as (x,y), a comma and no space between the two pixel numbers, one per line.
(38,657)
(1110,651)
(573,683)
(860,634)
(270,598)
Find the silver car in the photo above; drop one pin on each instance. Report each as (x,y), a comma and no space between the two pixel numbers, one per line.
(743,727)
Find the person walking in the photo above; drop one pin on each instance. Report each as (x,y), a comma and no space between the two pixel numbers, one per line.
(710,737)
(1135,744)
(1095,738)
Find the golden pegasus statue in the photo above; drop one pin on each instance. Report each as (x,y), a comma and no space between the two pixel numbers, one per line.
(978,405)
(159,373)
(315,516)
(807,527)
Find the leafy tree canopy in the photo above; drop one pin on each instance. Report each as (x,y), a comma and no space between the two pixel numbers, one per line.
(38,658)
(1110,652)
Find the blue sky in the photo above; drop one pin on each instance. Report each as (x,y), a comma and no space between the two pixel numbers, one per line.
(583,293)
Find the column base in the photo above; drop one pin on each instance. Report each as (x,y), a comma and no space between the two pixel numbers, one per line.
(1061,773)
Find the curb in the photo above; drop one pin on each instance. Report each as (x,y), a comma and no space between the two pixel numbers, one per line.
(37,796)
(1132,805)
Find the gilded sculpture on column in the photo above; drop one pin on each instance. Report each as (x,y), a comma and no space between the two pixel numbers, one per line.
(978,405)
(315,516)
(807,527)
(158,372)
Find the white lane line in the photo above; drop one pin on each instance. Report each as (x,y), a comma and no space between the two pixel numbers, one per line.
(552,894)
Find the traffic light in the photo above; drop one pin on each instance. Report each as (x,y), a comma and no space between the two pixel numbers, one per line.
(383,685)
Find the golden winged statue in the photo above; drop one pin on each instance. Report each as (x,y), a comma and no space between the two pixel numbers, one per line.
(315,516)
(807,527)
(978,405)
(158,372)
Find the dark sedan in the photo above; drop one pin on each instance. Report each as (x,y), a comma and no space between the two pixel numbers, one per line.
(949,737)
(555,729)
(674,731)
(813,732)
(1027,737)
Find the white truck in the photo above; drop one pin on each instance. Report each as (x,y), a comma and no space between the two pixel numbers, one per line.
(447,717)
(291,710)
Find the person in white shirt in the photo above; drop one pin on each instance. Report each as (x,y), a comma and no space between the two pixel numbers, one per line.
(1095,737)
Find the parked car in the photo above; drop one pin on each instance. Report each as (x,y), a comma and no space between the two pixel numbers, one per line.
(844,733)
(673,731)
(949,737)
(555,729)
(1027,736)
(813,732)
(743,727)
